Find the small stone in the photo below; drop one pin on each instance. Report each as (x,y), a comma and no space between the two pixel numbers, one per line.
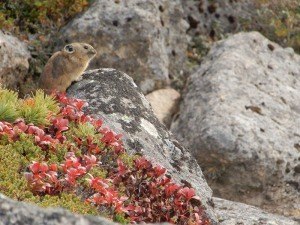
(164,103)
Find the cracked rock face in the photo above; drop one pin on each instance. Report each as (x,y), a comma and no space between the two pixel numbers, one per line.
(14,62)
(146,39)
(114,97)
(240,118)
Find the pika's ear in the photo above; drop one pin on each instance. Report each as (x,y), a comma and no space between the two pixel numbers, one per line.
(69,48)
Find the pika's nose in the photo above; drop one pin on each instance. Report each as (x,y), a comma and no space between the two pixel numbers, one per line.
(92,52)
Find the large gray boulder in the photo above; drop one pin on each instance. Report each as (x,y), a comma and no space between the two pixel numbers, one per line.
(114,97)
(20,213)
(234,213)
(14,60)
(146,39)
(240,118)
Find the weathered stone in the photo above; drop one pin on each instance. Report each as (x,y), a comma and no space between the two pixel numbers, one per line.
(114,97)
(14,62)
(20,213)
(144,38)
(164,103)
(234,213)
(216,18)
(240,118)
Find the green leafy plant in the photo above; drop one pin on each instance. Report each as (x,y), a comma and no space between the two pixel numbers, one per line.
(8,105)
(37,109)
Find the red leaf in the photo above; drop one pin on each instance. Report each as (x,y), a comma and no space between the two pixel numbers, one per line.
(142,163)
(171,189)
(159,170)
(186,192)
(34,167)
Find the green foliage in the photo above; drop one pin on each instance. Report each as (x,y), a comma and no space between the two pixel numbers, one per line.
(48,101)
(13,158)
(12,183)
(82,130)
(8,104)
(35,15)
(120,218)
(278,20)
(67,201)
(77,164)
(60,152)
(36,109)
(197,49)
(128,159)
(98,172)
(26,147)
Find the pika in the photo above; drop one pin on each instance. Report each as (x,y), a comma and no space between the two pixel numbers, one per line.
(66,66)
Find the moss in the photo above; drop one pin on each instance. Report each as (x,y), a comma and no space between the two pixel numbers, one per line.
(82,130)
(98,172)
(197,49)
(120,218)
(60,152)
(128,159)
(14,185)
(67,201)
(27,149)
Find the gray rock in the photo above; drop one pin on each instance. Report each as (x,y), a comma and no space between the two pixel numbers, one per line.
(146,39)
(114,97)
(14,62)
(20,213)
(240,118)
(234,213)
(216,18)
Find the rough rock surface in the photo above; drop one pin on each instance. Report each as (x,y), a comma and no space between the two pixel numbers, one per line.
(14,62)
(234,213)
(240,118)
(114,97)
(164,103)
(216,18)
(20,213)
(146,39)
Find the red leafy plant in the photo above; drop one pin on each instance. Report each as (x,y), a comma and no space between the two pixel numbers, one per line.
(95,166)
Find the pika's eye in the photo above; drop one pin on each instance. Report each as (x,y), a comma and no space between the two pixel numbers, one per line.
(69,48)
(85,47)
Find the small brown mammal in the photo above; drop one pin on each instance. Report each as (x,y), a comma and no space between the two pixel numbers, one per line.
(66,66)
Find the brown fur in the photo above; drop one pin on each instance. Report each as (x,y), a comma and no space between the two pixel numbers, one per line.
(66,66)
